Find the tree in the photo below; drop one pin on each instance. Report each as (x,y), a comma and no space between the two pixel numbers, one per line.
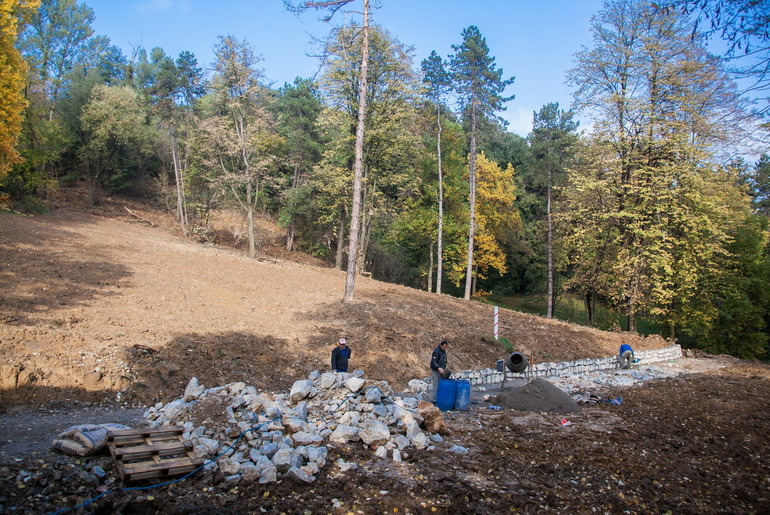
(54,42)
(553,135)
(744,25)
(13,70)
(438,83)
(649,209)
(298,108)
(479,85)
(115,121)
(761,185)
(240,128)
(355,223)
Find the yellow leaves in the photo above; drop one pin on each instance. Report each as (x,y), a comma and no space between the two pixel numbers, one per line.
(496,215)
(13,71)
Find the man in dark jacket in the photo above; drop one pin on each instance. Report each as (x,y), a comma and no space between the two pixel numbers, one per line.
(340,356)
(438,365)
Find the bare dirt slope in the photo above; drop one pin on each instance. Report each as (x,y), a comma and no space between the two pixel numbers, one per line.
(96,301)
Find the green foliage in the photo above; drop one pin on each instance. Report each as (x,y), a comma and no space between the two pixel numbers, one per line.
(117,134)
(477,80)
(506,343)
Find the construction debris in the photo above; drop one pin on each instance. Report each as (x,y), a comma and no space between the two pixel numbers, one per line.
(264,436)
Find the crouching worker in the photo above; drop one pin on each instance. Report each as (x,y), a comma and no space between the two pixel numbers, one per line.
(438,366)
(625,356)
(340,356)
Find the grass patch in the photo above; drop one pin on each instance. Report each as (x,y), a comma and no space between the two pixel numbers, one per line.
(572,309)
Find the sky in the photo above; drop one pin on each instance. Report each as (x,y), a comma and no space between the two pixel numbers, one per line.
(532,40)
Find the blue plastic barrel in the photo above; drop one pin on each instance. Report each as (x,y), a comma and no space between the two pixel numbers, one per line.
(463,395)
(445,396)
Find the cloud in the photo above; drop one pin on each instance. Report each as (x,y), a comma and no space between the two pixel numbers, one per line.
(519,119)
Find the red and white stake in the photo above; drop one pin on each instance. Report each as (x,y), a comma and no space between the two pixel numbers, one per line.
(497,328)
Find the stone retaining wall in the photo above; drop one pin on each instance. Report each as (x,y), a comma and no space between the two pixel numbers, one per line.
(567,368)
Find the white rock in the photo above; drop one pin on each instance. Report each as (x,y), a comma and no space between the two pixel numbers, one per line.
(305,438)
(286,458)
(381,452)
(229,466)
(298,473)
(401,441)
(396,455)
(269,475)
(193,390)
(416,386)
(373,395)
(354,384)
(317,454)
(250,472)
(327,381)
(294,424)
(300,390)
(421,440)
(344,434)
(374,433)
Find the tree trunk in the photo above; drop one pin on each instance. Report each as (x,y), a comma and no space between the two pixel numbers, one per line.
(472,196)
(632,322)
(290,228)
(590,304)
(181,205)
(355,220)
(250,220)
(440,237)
(549,312)
(430,268)
(340,240)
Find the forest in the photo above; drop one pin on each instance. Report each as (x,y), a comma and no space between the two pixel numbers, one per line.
(405,170)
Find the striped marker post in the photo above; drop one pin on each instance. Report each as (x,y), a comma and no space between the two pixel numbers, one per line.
(497,328)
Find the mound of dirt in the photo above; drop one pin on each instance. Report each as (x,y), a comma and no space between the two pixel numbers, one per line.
(538,395)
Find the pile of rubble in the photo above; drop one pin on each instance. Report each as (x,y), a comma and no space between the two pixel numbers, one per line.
(264,436)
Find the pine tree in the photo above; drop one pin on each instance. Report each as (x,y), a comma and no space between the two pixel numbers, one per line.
(479,85)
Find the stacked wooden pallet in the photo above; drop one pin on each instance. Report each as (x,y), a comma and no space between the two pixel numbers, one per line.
(153,452)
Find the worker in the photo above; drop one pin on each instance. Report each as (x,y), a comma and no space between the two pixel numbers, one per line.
(340,356)
(625,356)
(438,366)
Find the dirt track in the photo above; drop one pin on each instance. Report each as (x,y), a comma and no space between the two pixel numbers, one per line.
(109,311)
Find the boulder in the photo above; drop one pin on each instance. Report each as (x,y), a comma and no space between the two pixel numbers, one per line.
(374,433)
(344,434)
(300,390)
(354,384)
(193,390)
(298,473)
(433,420)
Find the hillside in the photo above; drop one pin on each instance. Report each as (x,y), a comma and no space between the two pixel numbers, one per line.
(100,300)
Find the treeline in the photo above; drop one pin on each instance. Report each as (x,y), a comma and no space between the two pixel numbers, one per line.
(640,213)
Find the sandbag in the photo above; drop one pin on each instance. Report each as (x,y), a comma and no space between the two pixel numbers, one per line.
(85,440)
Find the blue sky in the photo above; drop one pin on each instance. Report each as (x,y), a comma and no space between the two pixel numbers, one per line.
(533,40)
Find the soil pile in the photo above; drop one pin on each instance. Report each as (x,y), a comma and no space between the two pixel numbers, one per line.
(538,395)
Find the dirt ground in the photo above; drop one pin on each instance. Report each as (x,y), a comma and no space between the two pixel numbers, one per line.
(105,310)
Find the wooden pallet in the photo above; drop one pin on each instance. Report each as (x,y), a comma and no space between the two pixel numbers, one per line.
(154,452)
